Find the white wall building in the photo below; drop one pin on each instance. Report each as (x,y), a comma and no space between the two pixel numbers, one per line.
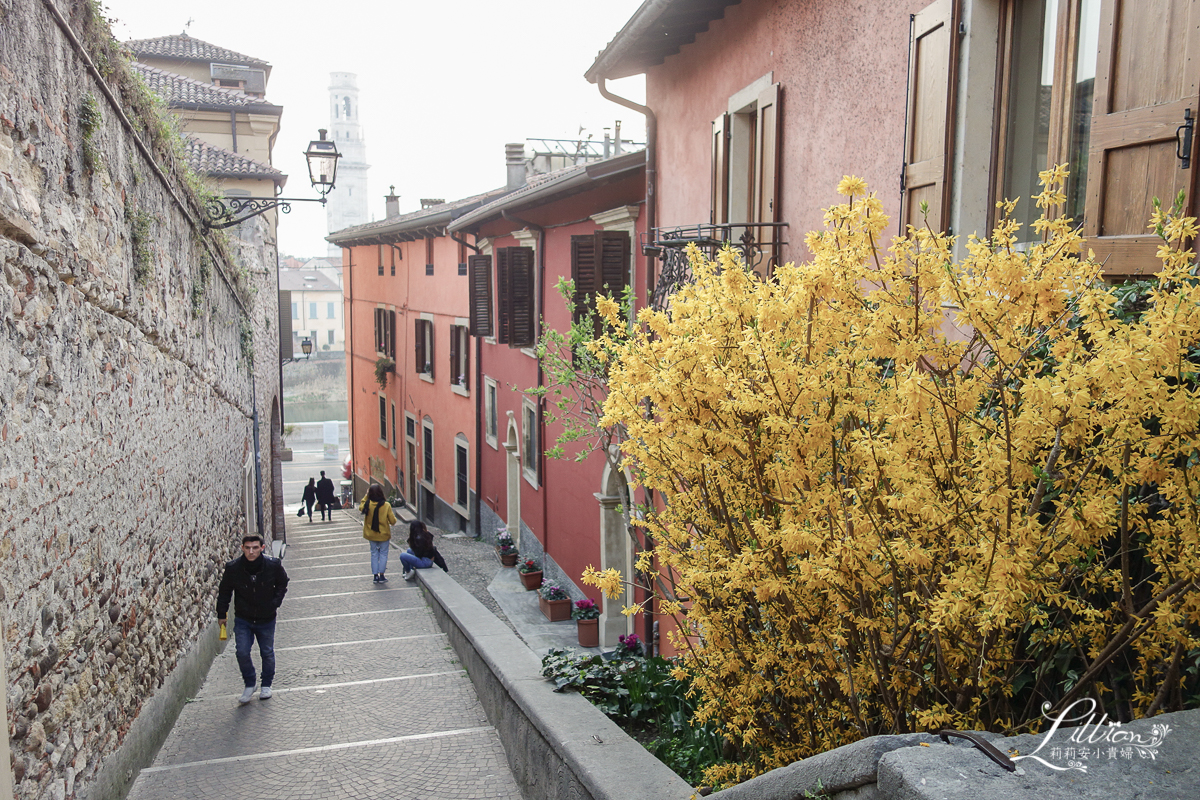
(316,309)
(348,201)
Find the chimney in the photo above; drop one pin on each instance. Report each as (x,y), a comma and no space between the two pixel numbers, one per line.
(617,138)
(514,159)
(392,203)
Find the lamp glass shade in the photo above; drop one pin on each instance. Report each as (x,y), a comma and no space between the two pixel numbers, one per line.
(306,346)
(322,156)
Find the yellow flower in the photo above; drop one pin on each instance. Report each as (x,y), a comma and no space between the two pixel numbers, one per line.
(851,186)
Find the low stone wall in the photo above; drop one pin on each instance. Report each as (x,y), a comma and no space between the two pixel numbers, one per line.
(559,746)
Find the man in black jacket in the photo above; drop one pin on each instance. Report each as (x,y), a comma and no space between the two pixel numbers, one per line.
(325,496)
(257,584)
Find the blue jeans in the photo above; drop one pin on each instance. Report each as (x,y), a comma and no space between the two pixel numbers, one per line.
(379,556)
(244,634)
(412,561)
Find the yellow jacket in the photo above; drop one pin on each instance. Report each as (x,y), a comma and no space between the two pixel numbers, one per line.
(386,520)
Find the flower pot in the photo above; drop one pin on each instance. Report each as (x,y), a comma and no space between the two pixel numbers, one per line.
(531,580)
(589,632)
(507,559)
(555,610)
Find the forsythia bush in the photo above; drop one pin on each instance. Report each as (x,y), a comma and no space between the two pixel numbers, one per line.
(901,492)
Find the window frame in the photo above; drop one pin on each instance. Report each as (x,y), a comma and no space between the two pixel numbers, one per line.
(460,357)
(428,461)
(530,443)
(383,420)
(424,347)
(462,476)
(491,413)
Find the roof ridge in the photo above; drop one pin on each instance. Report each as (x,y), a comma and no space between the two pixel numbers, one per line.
(190,48)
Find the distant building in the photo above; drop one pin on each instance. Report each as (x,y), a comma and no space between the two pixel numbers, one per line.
(316,307)
(347,204)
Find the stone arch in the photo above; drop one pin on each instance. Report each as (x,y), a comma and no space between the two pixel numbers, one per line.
(512,472)
(616,552)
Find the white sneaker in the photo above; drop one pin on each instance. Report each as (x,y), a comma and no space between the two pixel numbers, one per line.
(246,695)
(411,575)
(264,693)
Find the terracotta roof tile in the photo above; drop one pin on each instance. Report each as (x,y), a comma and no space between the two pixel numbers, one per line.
(186,48)
(181,91)
(208,159)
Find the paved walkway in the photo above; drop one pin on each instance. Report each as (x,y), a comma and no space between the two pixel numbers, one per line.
(370,700)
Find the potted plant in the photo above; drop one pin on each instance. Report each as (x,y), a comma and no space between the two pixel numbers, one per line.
(555,603)
(506,549)
(587,622)
(531,573)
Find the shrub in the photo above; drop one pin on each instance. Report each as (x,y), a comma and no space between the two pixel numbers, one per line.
(585,609)
(554,593)
(902,492)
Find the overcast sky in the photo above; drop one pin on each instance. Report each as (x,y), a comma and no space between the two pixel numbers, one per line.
(443,84)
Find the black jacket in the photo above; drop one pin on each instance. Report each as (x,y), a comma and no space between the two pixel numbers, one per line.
(255,596)
(310,495)
(421,543)
(325,491)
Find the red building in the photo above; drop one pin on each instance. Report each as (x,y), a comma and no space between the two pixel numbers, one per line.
(563,224)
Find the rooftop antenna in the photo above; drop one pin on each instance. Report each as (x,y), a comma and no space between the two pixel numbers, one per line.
(186,26)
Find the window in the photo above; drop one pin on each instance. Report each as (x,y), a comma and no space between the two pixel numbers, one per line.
(479,289)
(427,454)
(379,257)
(429,255)
(329,311)
(330,336)
(393,427)
(392,259)
(530,455)
(745,161)
(312,335)
(515,296)
(489,411)
(383,419)
(295,311)
(462,258)
(460,356)
(423,339)
(461,478)
(599,265)
(312,310)
(385,332)
(410,428)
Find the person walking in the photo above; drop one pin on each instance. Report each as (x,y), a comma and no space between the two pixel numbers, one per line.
(310,497)
(257,584)
(325,496)
(421,553)
(377,529)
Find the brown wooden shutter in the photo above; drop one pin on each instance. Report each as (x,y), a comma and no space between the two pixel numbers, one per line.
(429,345)
(524,310)
(720,170)
(480,283)
(453,354)
(419,343)
(1147,75)
(613,247)
(929,137)
(584,274)
(392,334)
(466,362)
(503,297)
(379,330)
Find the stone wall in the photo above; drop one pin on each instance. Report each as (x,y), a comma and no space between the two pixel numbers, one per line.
(127,337)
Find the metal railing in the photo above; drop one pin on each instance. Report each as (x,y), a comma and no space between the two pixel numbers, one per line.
(759,243)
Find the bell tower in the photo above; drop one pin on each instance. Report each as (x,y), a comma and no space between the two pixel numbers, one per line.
(347,204)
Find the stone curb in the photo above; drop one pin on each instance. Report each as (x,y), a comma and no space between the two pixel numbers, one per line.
(558,745)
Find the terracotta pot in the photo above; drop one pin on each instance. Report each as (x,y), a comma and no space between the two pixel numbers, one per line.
(555,610)
(507,559)
(531,580)
(589,632)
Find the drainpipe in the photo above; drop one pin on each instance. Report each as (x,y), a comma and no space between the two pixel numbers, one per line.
(541,289)
(648,633)
(651,168)
(233,128)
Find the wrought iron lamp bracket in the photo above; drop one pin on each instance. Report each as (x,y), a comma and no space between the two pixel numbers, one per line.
(225,212)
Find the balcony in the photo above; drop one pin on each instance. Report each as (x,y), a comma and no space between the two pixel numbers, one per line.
(760,244)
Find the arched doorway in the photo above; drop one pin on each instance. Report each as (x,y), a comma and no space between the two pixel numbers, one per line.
(512,447)
(616,552)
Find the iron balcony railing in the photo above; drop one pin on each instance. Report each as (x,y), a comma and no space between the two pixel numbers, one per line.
(760,245)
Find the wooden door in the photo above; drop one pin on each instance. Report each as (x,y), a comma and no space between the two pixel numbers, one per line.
(1147,75)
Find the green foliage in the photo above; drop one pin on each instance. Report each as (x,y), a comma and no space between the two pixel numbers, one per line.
(383,365)
(246,340)
(89,122)
(646,698)
(200,284)
(140,237)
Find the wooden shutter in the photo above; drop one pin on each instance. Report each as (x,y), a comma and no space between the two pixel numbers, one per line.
(929,137)
(766,158)
(480,290)
(524,310)
(391,351)
(503,297)
(584,274)
(1147,75)
(466,360)
(613,247)
(419,344)
(453,354)
(429,346)
(720,170)
(379,330)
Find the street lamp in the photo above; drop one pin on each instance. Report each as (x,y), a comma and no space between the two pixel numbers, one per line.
(322,156)
(306,346)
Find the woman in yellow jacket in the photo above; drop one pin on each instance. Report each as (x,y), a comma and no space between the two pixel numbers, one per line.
(377,529)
